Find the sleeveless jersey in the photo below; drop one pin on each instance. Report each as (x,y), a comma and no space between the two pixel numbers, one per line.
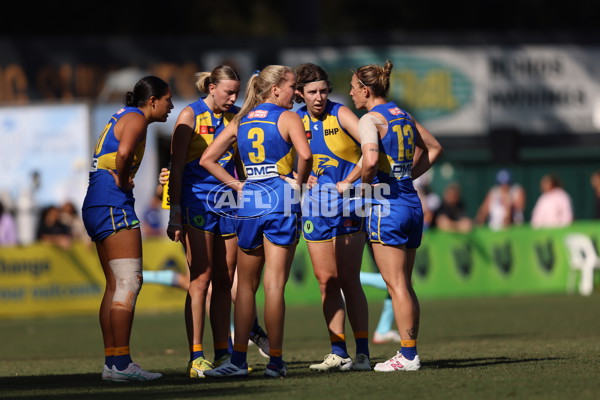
(335,154)
(396,152)
(265,156)
(197,183)
(102,189)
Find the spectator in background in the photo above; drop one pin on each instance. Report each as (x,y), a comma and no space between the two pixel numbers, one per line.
(451,216)
(71,218)
(504,203)
(553,208)
(595,182)
(8,228)
(28,212)
(52,230)
(430,200)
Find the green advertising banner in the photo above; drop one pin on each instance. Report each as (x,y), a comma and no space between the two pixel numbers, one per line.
(519,260)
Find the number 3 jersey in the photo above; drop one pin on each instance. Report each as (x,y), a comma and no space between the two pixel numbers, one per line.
(265,156)
(102,189)
(396,153)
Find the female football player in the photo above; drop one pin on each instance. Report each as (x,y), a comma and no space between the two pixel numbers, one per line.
(333,230)
(267,136)
(396,149)
(110,220)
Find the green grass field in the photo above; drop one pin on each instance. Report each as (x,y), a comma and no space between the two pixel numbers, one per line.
(533,347)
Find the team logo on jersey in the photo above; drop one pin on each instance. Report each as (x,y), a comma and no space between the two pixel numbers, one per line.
(309,226)
(322,162)
(396,111)
(121,111)
(308,134)
(198,220)
(258,114)
(205,130)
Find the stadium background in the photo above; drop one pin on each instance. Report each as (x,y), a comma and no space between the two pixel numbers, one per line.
(501,84)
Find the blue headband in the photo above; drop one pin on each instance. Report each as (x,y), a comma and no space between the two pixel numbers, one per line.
(256,73)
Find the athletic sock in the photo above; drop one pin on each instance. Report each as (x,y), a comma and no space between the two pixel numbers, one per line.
(408,349)
(386,319)
(109,354)
(196,351)
(122,358)
(276,357)
(362,342)
(239,355)
(221,349)
(338,344)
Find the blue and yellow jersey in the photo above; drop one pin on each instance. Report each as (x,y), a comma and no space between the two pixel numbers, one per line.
(102,190)
(335,152)
(196,181)
(265,156)
(396,153)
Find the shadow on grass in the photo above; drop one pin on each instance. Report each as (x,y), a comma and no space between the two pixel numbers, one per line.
(479,362)
(90,386)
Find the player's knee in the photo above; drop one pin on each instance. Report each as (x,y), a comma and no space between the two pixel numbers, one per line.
(128,278)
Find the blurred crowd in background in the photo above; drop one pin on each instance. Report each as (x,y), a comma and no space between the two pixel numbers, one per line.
(24,222)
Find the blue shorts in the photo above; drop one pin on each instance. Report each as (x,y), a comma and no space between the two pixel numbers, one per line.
(102,221)
(395,225)
(281,229)
(322,229)
(201,219)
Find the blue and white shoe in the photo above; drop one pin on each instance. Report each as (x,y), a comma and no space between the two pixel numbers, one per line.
(273,371)
(226,370)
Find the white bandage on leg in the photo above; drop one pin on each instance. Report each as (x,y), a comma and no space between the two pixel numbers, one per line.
(128,276)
